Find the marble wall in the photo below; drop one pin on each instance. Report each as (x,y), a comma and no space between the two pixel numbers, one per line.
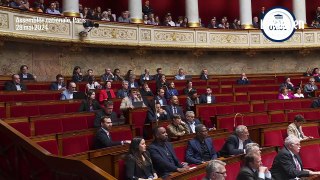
(45,61)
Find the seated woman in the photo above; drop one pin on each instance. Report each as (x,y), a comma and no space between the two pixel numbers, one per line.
(188,88)
(172,91)
(284,94)
(90,104)
(315,74)
(107,93)
(287,84)
(162,83)
(92,84)
(192,100)
(298,93)
(138,162)
(77,74)
(296,129)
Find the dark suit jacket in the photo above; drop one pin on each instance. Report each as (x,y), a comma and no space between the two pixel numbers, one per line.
(193,153)
(152,117)
(203,99)
(134,171)
(29,77)
(246,173)
(121,93)
(10,86)
(102,140)
(196,122)
(243,82)
(283,166)
(231,145)
(142,80)
(203,77)
(159,156)
(315,103)
(135,85)
(86,107)
(76,78)
(100,113)
(54,86)
(146,93)
(157,98)
(170,111)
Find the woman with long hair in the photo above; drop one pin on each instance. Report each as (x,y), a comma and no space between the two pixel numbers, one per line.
(90,104)
(107,93)
(138,162)
(77,74)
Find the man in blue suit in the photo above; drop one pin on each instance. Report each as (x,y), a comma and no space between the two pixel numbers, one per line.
(208,97)
(191,121)
(174,108)
(200,149)
(163,155)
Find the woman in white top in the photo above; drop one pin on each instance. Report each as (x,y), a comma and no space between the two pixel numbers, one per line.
(92,85)
(298,93)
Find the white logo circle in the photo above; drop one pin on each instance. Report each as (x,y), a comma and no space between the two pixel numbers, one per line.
(278,24)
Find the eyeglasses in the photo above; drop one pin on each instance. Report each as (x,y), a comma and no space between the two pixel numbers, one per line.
(222,173)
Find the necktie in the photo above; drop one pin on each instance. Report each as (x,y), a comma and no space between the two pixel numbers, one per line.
(174,110)
(298,167)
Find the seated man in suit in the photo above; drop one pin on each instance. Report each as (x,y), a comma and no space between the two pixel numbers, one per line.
(156,113)
(177,127)
(146,76)
(128,102)
(160,97)
(216,170)
(24,75)
(59,84)
(174,108)
(180,75)
(103,138)
(208,97)
(163,155)
(191,121)
(107,110)
(287,164)
(200,149)
(243,80)
(253,148)
(296,129)
(204,74)
(253,169)
(68,93)
(124,91)
(236,143)
(15,84)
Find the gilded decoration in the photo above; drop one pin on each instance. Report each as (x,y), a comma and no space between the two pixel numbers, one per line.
(114,33)
(255,38)
(223,38)
(202,37)
(295,39)
(4,21)
(309,38)
(145,35)
(173,36)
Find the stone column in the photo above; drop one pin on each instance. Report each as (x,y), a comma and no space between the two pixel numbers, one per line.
(71,8)
(246,14)
(192,12)
(135,9)
(299,11)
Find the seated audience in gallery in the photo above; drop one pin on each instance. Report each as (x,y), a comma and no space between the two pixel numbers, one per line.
(107,93)
(208,97)
(188,88)
(253,168)
(235,144)
(77,74)
(24,75)
(315,74)
(156,113)
(107,76)
(160,97)
(177,127)
(129,73)
(15,84)
(287,84)
(85,13)
(138,162)
(59,84)
(162,152)
(298,93)
(174,108)
(171,91)
(162,83)
(317,17)
(310,88)
(192,100)
(5,3)
(90,104)
(103,137)
(58,6)
(124,18)
(124,91)
(131,101)
(146,76)
(255,22)
(213,23)
(285,94)
(38,6)
(117,75)
(216,170)
(180,75)
(110,16)
(146,8)
(68,93)
(243,80)
(236,24)
(107,110)
(85,78)
(191,121)
(98,13)
(52,9)
(204,74)
(288,164)
(145,90)
(200,149)
(92,84)
(308,72)
(295,128)
(19,4)
(132,82)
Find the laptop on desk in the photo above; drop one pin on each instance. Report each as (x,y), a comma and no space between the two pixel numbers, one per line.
(137,104)
(79,95)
